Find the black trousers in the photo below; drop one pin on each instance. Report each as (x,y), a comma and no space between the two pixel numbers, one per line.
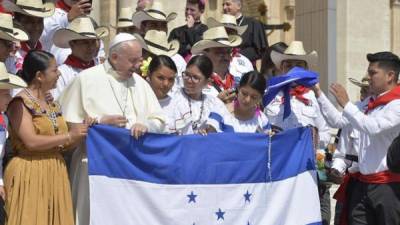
(374,204)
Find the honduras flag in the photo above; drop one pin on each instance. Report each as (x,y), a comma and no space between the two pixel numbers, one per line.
(283,83)
(222,178)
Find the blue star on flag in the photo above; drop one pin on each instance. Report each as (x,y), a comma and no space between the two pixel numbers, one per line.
(192,197)
(247,196)
(220,214)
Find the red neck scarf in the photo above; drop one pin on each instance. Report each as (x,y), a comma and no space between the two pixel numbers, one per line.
(298,93)
(61,5)
(235,52)
(384,99)
(26,48)
(3,122)
(229,81)
(75,62)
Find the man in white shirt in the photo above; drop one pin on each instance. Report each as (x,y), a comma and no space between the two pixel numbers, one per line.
(344,168)
(377,199)
(304,107)
(115,94)
(228,68)
(83,40)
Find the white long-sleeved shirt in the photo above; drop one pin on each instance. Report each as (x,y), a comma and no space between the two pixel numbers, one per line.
(349,140)
(301,115)
(377,130)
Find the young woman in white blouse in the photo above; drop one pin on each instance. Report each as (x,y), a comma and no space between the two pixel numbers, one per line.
(191,107)
(161,77)
(246,115)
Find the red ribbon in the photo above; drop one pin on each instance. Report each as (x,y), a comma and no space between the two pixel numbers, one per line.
(75,62)
(229,81)
(62,5)
(298,93)
(384,99)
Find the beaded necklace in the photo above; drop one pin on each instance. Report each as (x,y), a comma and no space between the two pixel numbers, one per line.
(51,114)
(195,124)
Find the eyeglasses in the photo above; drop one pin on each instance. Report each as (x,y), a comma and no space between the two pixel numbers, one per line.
(189,76)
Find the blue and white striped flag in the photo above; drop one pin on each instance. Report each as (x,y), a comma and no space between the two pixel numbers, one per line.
(224,178)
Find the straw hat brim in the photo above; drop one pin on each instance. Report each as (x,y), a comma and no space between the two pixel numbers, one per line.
(211,22)
(141,16)
(172,49)
(311,58)
(13,81)
(17,35)
(358,83)
(63,36)
(233,41)
(48,9)
(122,24)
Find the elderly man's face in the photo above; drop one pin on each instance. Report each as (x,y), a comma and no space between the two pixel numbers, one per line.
(85,50)
(220,57)
(231,7)
(128,59)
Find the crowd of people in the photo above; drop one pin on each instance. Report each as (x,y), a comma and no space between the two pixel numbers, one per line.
(57,80)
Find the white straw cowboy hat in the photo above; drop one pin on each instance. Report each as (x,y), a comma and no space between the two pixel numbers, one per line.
(80,28)
(216,37)
(157,43)
(37,8)
(8,31)
(124,17)
(363,83)
(227,21)
(156,12)
(295,51)
(9,81)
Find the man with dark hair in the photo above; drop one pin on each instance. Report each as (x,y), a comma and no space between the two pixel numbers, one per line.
(254,38)
(193,30)
(377,199)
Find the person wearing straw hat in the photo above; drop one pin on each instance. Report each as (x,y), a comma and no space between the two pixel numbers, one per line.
(193,30)
(156,43)
(116,95)
(65,11)
(304,106)
(254,38)
(305,110)
(7,81)
(124,21)
(156,18)
(9,34)
(229,22)
(29,14)
(153,17)
(218,45)
(82,38)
